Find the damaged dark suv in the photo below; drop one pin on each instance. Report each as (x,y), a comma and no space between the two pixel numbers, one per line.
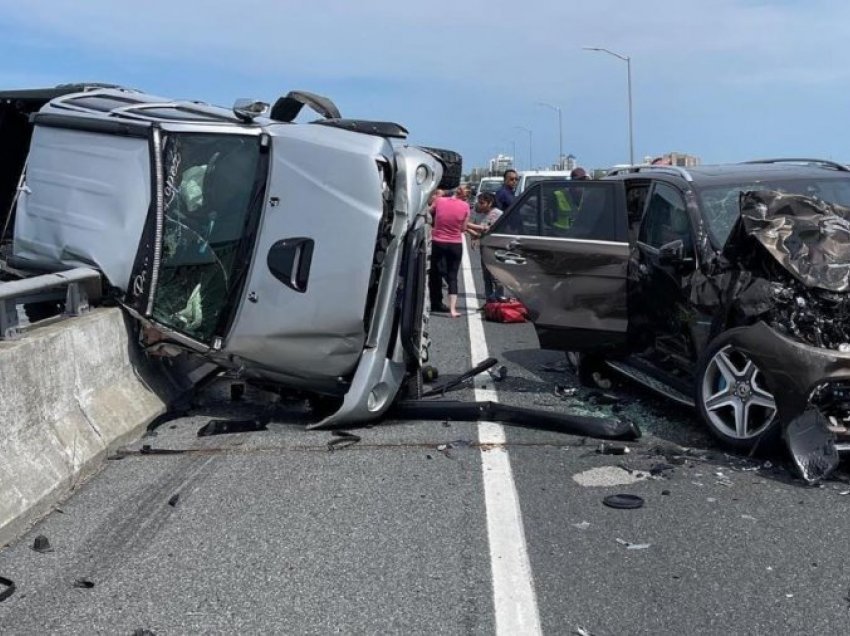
(723,287)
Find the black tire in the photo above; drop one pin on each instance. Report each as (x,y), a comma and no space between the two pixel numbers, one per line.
(413,387)
(717,398)
(452,167)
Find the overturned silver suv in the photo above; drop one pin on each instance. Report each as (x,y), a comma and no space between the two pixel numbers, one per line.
(292,254)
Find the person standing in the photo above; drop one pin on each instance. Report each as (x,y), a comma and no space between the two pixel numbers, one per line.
(451,216)
(507,193)
(486,207)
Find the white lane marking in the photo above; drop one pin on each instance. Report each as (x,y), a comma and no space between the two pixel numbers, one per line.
(514,597)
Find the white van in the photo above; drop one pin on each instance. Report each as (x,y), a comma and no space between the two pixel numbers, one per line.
(528,177)
(489,184)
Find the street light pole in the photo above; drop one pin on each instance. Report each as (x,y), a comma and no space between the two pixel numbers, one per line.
(560,131)
(528,130)
(628,61)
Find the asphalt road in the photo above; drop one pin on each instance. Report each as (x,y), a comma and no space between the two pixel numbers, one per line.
(274,533)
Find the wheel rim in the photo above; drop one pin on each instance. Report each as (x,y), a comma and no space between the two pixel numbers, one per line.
(735,398)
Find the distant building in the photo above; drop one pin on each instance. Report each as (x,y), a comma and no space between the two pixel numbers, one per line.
(566,162)
(673,159)
(500,163)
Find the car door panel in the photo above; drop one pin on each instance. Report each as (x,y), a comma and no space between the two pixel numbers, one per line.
(665,324)
(574,288)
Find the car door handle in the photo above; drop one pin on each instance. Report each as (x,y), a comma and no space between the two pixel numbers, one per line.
(511,258)
(512,244)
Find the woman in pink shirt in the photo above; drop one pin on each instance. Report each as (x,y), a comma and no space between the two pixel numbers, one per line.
(451,215)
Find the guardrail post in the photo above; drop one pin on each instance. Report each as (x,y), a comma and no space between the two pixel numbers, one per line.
(8,320)
(76,300)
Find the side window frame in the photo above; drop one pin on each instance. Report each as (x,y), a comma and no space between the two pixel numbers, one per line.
(656,184)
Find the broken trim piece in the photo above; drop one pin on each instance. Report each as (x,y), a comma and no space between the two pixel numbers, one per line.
(598,427)
(10,588)
(286,108)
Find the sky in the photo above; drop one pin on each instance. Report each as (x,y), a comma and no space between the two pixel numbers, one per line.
(726,80)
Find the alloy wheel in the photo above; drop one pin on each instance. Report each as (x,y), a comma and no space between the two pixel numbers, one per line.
(735,398)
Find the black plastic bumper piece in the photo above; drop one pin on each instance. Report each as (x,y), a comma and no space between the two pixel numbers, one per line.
(598,427)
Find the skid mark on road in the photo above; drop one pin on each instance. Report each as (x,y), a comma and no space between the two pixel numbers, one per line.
(514,598)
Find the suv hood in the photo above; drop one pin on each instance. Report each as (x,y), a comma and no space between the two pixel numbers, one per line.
(808,237)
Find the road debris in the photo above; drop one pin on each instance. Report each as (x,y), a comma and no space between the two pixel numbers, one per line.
(8,588)
(584,525)
(342,439)
(602,398)
(812,446)
(446,449)
(481,367)
(564,392)
(623,501)
(538,419)
(498,374)
(42,544)
(83,584)
(748,517)
(612,449)
(172,501)
(608,476)
(633,546)
(226,427)
(581,631)
(659,469)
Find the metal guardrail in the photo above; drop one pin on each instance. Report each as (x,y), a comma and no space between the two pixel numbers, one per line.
(14,292)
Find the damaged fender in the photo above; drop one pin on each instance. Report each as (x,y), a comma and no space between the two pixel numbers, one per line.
(792,371)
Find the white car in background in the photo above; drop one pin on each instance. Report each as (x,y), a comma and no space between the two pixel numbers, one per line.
(529,177)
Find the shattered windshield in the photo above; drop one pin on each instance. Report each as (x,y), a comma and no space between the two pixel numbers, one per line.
(208,199)
(720,203)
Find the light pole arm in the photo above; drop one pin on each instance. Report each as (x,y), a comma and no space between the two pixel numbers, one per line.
(560,129)
(628,61)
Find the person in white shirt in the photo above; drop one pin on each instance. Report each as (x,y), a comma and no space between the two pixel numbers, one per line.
(485,206)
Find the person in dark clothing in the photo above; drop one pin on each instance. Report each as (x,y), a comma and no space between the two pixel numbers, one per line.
(507,193)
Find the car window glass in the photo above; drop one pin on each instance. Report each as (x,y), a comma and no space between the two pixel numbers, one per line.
(209,181)
(666,219)
(522,217)
(578,210)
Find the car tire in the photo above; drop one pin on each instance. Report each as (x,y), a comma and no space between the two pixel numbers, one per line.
(413,386)
(452,167)
(732,398)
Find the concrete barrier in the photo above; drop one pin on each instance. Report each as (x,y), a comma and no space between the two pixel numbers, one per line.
(70,392)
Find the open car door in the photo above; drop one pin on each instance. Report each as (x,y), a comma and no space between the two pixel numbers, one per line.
(563,250)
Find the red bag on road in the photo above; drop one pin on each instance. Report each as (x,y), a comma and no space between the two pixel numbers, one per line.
(505,311)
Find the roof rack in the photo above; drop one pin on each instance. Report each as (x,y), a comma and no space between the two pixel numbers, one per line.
(823,163)
(674,170)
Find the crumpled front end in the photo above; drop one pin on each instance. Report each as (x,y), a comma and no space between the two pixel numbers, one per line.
(785,273)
